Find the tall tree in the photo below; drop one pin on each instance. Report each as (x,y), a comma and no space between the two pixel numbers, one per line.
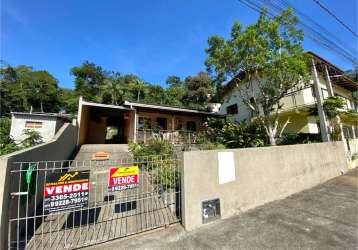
(44,91)
(88,79)
(114,87)
(200,89)
(176,91)
(265,61)
(23,89)
(138,86)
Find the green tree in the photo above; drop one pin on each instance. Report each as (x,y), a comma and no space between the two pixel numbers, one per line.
(113,86)
(32,138)
(333,107)
(23,89)
(156,94)
(88,80)
(199,90)
(7,144)
(137,86)
(265,60)
(68,100)
(176,91)
(43,91)
(14,91)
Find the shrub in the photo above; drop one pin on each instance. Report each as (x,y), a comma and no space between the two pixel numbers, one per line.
(155,147)
(235,135)
(33,138)
(7,145)
(161,162)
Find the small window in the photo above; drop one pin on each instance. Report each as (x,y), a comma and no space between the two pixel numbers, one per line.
(144,123)
(232,109)
(31,124)
(162,123)
(191,126)
(179,124)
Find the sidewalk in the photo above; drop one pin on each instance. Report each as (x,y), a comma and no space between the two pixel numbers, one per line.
(324,217)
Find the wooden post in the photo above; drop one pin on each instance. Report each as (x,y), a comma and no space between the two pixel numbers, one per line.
(173,129)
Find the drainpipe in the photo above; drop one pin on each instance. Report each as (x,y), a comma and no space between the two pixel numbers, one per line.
(319,98)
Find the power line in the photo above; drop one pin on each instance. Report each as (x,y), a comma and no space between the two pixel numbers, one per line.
(315,35)
(335,16)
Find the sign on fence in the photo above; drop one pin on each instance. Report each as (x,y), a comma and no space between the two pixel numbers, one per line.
(66,191)
(123,178)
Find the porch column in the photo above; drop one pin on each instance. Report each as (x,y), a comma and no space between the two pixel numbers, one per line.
(173,129)
(329,82)
(319,98)
(135,126)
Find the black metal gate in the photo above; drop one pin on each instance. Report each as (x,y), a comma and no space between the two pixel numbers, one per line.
(71,204)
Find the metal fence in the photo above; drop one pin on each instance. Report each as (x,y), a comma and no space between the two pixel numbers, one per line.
(70,204)
(173,136)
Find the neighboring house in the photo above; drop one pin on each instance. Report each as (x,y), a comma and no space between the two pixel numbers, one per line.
(330,82)
(131,121)
(47,124)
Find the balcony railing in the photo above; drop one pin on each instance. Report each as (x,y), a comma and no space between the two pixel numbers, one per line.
(173,136)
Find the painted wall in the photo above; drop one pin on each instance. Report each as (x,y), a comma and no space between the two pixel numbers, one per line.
(260,175)
(48,130)
(60,147)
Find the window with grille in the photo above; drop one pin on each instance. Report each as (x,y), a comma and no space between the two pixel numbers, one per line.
(31,124)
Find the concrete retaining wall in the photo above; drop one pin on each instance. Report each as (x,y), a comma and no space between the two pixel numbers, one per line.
(261,175)
(60,148)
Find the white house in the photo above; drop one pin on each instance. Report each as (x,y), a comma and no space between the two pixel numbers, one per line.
(47,124)
(327,80)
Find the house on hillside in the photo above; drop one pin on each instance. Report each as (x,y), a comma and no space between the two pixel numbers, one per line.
(47,124)
(131,121)
(330,82)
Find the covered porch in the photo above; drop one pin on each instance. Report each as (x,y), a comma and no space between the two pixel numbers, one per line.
(137,122)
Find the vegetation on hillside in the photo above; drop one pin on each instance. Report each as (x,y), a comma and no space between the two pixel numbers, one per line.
(26,89)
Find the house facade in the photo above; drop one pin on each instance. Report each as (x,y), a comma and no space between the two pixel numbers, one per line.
(327,80)
(135,122)
(47,124)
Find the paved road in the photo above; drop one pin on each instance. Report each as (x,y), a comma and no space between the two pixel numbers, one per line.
(325,217)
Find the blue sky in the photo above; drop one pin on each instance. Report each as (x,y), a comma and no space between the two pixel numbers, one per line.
(152,39)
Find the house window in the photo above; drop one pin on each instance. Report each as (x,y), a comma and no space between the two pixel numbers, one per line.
(232,109)
(162,123)
(190,126)
(144,123)
(31,124)
(179,125)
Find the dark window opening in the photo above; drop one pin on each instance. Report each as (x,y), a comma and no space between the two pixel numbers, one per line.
(162,123)
(232,109)
(191,126)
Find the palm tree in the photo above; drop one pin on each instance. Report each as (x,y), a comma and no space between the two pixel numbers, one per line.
(113,86)
(138,86)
